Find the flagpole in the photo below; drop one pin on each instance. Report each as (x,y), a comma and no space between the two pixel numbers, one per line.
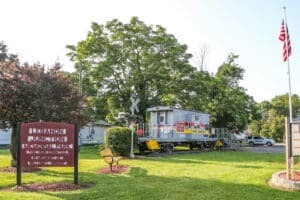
(288,66)
(289,156)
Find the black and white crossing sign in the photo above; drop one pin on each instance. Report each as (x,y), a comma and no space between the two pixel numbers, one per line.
(134,104)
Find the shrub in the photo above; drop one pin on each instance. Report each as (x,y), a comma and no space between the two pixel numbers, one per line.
(119,140)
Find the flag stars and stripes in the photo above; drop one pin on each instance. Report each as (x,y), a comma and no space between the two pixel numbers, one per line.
(287,48)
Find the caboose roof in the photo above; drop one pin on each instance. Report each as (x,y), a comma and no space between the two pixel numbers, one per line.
(171,108)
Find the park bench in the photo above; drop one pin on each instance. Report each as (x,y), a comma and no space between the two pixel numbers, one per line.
(109,158)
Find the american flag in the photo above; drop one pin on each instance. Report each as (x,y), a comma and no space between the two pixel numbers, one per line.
(287,49)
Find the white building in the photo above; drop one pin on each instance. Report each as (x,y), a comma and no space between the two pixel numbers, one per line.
(5,136)
(93,133)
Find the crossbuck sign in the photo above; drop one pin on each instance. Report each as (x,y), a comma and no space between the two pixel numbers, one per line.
(134,104)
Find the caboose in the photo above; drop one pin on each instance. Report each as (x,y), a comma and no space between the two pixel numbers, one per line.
(172,126)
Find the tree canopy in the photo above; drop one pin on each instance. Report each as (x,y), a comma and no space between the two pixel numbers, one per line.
(31,93)
(229,104)
(118,57)
(4,55)
(270,120)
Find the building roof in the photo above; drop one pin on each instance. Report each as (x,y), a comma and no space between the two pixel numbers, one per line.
(99,123)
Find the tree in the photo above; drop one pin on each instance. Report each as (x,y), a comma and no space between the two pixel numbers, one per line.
(4,55)
(270,116)
(281,104)
(30,93)
(119,57)
(230,105)
(200,57)
(198,87)
(230,72)
(273,126)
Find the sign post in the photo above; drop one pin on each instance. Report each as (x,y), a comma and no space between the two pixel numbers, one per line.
(47,144)
(19,170)
(292,135)
(134,103)
(76,154)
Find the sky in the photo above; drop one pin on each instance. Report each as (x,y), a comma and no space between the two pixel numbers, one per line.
(38,31)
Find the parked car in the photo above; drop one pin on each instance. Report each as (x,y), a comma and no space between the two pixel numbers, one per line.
(258,140)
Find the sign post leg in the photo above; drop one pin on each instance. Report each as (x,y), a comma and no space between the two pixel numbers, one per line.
(76,155)
(19,170)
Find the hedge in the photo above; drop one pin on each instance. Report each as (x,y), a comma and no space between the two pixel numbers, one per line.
(119,140)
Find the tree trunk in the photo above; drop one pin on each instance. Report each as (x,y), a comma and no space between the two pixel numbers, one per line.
(13,146)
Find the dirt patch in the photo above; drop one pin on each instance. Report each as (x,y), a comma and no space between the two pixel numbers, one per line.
(115,169)
(14,170)
(295,176)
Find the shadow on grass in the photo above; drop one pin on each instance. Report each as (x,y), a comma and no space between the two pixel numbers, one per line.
(137,184)
(56,173)
(223,156)
(201,157)
(249,166)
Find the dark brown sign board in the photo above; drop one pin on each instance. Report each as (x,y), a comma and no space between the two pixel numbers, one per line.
(47,144)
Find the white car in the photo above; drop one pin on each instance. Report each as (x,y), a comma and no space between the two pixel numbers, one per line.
(257,140)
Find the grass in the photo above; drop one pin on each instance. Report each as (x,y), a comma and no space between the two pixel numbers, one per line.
(204,175)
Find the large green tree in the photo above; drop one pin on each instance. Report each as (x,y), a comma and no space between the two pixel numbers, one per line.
(119,57)
(116,57)
(230,105)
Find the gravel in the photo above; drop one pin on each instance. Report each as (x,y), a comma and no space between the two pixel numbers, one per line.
(278,148)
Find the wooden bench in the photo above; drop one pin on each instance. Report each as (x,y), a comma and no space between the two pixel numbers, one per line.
(109,158)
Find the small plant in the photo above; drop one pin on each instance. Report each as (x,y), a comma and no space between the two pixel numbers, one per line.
(119,140)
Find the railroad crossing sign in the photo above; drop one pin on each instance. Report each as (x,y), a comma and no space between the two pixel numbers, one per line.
(134,104)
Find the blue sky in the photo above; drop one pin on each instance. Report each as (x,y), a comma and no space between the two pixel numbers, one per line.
(40,30)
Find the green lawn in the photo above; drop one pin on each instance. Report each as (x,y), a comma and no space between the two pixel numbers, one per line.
(204,175)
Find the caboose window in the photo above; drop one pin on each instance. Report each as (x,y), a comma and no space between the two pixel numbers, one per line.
(161,119)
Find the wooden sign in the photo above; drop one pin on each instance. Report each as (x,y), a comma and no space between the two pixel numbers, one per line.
(47,144)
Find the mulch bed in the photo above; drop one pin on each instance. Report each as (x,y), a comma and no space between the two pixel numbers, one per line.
(295,176)
(54,187)
(115,170)
(37,187)
(14,170)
